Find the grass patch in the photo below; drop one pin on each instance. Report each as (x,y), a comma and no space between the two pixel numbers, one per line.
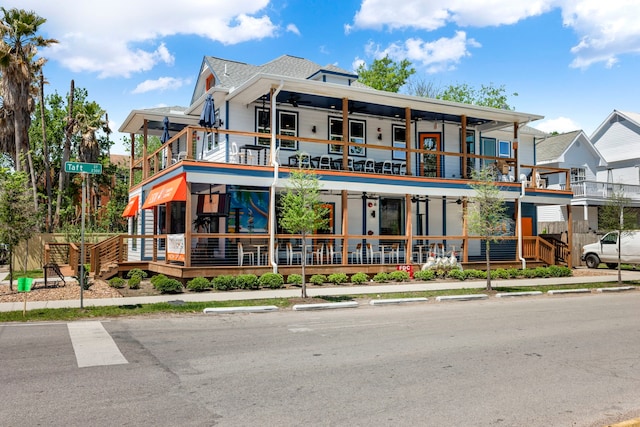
(69,314)
(34,274)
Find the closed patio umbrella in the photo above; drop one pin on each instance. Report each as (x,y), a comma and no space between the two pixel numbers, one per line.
(208,115)
(165,131)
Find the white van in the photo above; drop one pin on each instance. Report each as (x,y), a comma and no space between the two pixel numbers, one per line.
(606,250)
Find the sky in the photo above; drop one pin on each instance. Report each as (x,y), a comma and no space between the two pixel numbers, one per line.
(571,61)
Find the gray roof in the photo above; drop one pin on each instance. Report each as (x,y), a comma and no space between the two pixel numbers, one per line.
(551,148)
(231,74)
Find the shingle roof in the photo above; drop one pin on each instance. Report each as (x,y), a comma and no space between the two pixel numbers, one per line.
(232,73)
(551,148)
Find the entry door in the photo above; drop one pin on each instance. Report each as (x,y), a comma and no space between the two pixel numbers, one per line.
(527,226)
(430,164)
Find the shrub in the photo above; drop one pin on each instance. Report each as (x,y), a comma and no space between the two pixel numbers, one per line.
(559,271)
(457,274)
(83,274)
(318,279)
(424,275)
(117,282)
(514,273)
(399,276)
(337,278)
(247,281)
(157,278)
(359,278)
(294,279)
(528,273)
(136,272)
(476,274)
(381,277)
(499,273)
(224,282)
(271,280)
(169,286)
(199,284)
(541,272)
(134,282)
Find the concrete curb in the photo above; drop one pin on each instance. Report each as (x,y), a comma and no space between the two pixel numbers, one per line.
(396,301)
(347,304)
(569,291)
(461,297)
(517,294)
(245,309)
(618,289)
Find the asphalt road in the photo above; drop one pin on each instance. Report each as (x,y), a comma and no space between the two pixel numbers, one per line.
(541,361)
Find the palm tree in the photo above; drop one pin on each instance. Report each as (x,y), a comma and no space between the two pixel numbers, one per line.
(19,45)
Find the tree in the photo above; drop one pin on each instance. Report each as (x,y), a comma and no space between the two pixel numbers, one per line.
(19,45)
(486,216)
(301,211)
(385,74)
(18,218)
(423,88)
(486,96)
(614,217)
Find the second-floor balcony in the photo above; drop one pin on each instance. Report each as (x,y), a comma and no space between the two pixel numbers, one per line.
(429,163)
(598,190)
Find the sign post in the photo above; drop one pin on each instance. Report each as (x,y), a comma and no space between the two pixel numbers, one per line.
(84,168)
(24,286)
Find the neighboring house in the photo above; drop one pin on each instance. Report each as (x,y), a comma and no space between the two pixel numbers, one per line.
(606,163)
(394,172)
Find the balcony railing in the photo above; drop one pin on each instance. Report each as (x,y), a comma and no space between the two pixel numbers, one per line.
(347,157)
(604,190)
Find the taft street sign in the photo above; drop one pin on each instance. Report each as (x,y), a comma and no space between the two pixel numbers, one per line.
(78,167)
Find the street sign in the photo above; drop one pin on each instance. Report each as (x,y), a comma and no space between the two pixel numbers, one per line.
(78,167)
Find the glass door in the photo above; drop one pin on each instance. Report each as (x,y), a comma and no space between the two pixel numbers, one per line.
(430,163)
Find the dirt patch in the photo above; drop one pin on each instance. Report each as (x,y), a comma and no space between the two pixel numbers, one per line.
(70,291)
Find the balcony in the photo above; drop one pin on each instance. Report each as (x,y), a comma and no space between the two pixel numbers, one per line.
(598,190)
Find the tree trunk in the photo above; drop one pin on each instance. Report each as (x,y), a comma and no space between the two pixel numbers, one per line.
(63,178)
(11,268)
(303,258)
(45,152)
(34,182)
(488,258)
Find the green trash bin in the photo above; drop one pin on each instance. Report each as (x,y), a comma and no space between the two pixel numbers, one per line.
(24,284)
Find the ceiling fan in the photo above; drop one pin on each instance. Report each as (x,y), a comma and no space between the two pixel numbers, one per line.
(356,108)
(295,100)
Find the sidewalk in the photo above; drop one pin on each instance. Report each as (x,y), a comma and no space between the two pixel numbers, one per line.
(328,291)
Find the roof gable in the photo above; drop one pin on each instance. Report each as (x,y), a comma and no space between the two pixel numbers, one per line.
(554,148)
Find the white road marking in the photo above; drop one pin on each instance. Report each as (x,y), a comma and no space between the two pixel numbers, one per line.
(93,345)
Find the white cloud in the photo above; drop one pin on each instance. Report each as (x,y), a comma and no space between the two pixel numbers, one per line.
(433,14)
(118,38)
(292,28)
(605,32)
(559,124)
(434,56)
(161,84)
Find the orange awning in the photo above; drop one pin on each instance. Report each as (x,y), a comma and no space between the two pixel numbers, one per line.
(132,207)
(171,191)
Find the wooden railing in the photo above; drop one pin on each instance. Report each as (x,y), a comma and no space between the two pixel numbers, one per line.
(62,254)
(108,251)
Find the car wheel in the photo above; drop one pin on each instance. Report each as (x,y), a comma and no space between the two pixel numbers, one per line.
(592,261)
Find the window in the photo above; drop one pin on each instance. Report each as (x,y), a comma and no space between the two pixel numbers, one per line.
(577,175)
(504,149)
(210,82)
(263,125)
(470,142)
(288,124)
(430,163)
(488,149)
(357,135)
(335,134)
(399,141)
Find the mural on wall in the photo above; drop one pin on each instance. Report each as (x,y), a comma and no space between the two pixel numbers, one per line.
(249,209)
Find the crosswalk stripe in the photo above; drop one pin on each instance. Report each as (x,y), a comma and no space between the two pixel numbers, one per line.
(93,345)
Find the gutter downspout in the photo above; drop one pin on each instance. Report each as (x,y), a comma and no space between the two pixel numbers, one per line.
(276,170)
(522,193)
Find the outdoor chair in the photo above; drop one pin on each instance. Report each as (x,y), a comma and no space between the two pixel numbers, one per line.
(356,254)
(250,256)
(372,254)
(292,255)
(332,255)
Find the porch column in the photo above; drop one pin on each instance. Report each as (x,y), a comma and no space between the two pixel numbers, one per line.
(407,136)
(345,133)
(187,226)
(409,229)
(570,236)
(345,227)
(145,163)
(132,158)
(189,146)
(465,240)
(167,229)
(463,137)
(515,150)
